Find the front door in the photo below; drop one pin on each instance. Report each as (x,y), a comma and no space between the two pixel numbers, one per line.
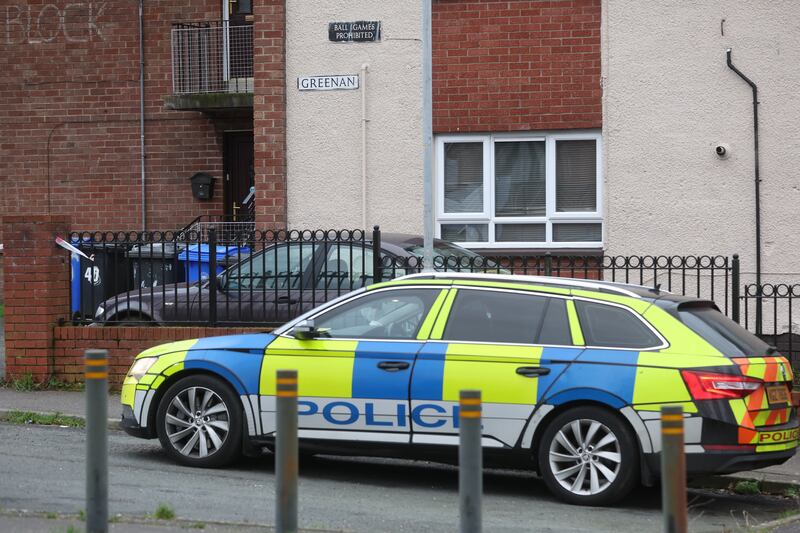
(239,176)
(353,383)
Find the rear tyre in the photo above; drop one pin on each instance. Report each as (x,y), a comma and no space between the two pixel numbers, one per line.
(199,422)
(589,456)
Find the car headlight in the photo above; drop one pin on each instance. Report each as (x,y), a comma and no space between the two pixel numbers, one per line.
(141,366)
(100,311)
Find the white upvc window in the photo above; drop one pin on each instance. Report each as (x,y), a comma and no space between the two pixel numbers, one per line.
(533,190)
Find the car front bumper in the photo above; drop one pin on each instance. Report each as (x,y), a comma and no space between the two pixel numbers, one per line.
(131,426)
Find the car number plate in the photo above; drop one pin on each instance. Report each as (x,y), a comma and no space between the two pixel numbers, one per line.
(777,394)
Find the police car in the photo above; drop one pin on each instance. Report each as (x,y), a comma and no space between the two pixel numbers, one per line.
(573,374)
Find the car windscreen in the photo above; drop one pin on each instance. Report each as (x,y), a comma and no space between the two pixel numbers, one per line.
(441,249)
(721,332)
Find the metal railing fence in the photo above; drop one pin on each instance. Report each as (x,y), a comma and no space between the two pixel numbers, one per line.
(712,277)
(222,273)
(212,57)
(775,322)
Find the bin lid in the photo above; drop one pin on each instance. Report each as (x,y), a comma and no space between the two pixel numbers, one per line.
(201,252)
(156,250)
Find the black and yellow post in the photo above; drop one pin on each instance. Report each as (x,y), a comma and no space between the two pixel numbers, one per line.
(470,461)
(96,441)
(673,470)
(286,455)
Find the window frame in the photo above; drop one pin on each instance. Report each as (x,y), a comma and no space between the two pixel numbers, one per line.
(487,216)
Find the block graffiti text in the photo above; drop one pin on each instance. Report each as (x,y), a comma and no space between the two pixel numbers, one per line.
(47,23)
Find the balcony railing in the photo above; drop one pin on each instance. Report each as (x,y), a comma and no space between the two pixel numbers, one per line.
(212,57)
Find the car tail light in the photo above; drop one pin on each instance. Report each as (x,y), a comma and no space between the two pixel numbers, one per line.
(710,386)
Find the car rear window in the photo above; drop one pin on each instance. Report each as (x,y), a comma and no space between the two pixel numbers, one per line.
(721,332)
(608,326)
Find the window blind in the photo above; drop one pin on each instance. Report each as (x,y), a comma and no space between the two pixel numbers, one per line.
(576,176)
(463,177)
(519,173)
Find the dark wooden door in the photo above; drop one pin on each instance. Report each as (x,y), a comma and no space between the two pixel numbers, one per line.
(239,175)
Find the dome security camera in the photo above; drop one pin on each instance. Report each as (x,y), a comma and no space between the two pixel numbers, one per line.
(723,151)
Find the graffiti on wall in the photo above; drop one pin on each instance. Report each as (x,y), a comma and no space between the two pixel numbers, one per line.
(47,23)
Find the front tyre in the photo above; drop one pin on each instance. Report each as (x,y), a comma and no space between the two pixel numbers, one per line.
(588,456)
(199,422)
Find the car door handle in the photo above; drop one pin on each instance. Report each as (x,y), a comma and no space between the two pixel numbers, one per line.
(393,366)
(286,300)
(532,371)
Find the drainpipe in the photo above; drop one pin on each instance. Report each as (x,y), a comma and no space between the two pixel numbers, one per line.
(427,137)
(364,146)
(757,189)
(143,154)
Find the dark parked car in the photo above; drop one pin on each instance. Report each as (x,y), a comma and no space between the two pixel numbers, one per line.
(281,281)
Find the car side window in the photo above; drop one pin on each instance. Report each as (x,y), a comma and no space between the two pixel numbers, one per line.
(391,314)
(346,268)
(613,327)
(280,267)
(492,316)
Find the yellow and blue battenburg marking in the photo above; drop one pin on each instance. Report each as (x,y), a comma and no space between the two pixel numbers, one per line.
(409,390)
(235,358)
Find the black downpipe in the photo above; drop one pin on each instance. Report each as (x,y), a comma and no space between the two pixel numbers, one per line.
(758,190)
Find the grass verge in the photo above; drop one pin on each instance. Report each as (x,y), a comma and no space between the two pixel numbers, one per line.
(26,383)
(55,419)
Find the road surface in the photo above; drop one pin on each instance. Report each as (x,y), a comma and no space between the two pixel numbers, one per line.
(43,470)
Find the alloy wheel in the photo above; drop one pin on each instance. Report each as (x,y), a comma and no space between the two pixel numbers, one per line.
(197,422)
(585,457)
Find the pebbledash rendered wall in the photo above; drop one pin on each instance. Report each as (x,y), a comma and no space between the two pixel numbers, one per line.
(669,99)
(323,138)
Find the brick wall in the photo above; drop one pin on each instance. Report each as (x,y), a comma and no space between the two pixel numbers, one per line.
(69,116)
(37,301)
(122,343)
(269,111)
(521,65)
(36,292)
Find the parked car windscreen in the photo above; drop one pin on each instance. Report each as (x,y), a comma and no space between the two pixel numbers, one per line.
(441,249)
(721,332)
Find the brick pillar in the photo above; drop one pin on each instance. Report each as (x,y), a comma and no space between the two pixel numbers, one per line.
(269,112)
(36,273)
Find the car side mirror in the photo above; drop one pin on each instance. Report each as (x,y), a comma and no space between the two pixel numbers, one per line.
(305,330)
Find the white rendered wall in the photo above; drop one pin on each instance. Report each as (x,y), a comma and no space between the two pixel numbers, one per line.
(669,99)
(324,127)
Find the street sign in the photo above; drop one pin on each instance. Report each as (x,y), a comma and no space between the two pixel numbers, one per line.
(328,83)
(360,31)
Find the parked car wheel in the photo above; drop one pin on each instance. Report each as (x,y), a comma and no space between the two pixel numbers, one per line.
(199,422)
(588,456)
